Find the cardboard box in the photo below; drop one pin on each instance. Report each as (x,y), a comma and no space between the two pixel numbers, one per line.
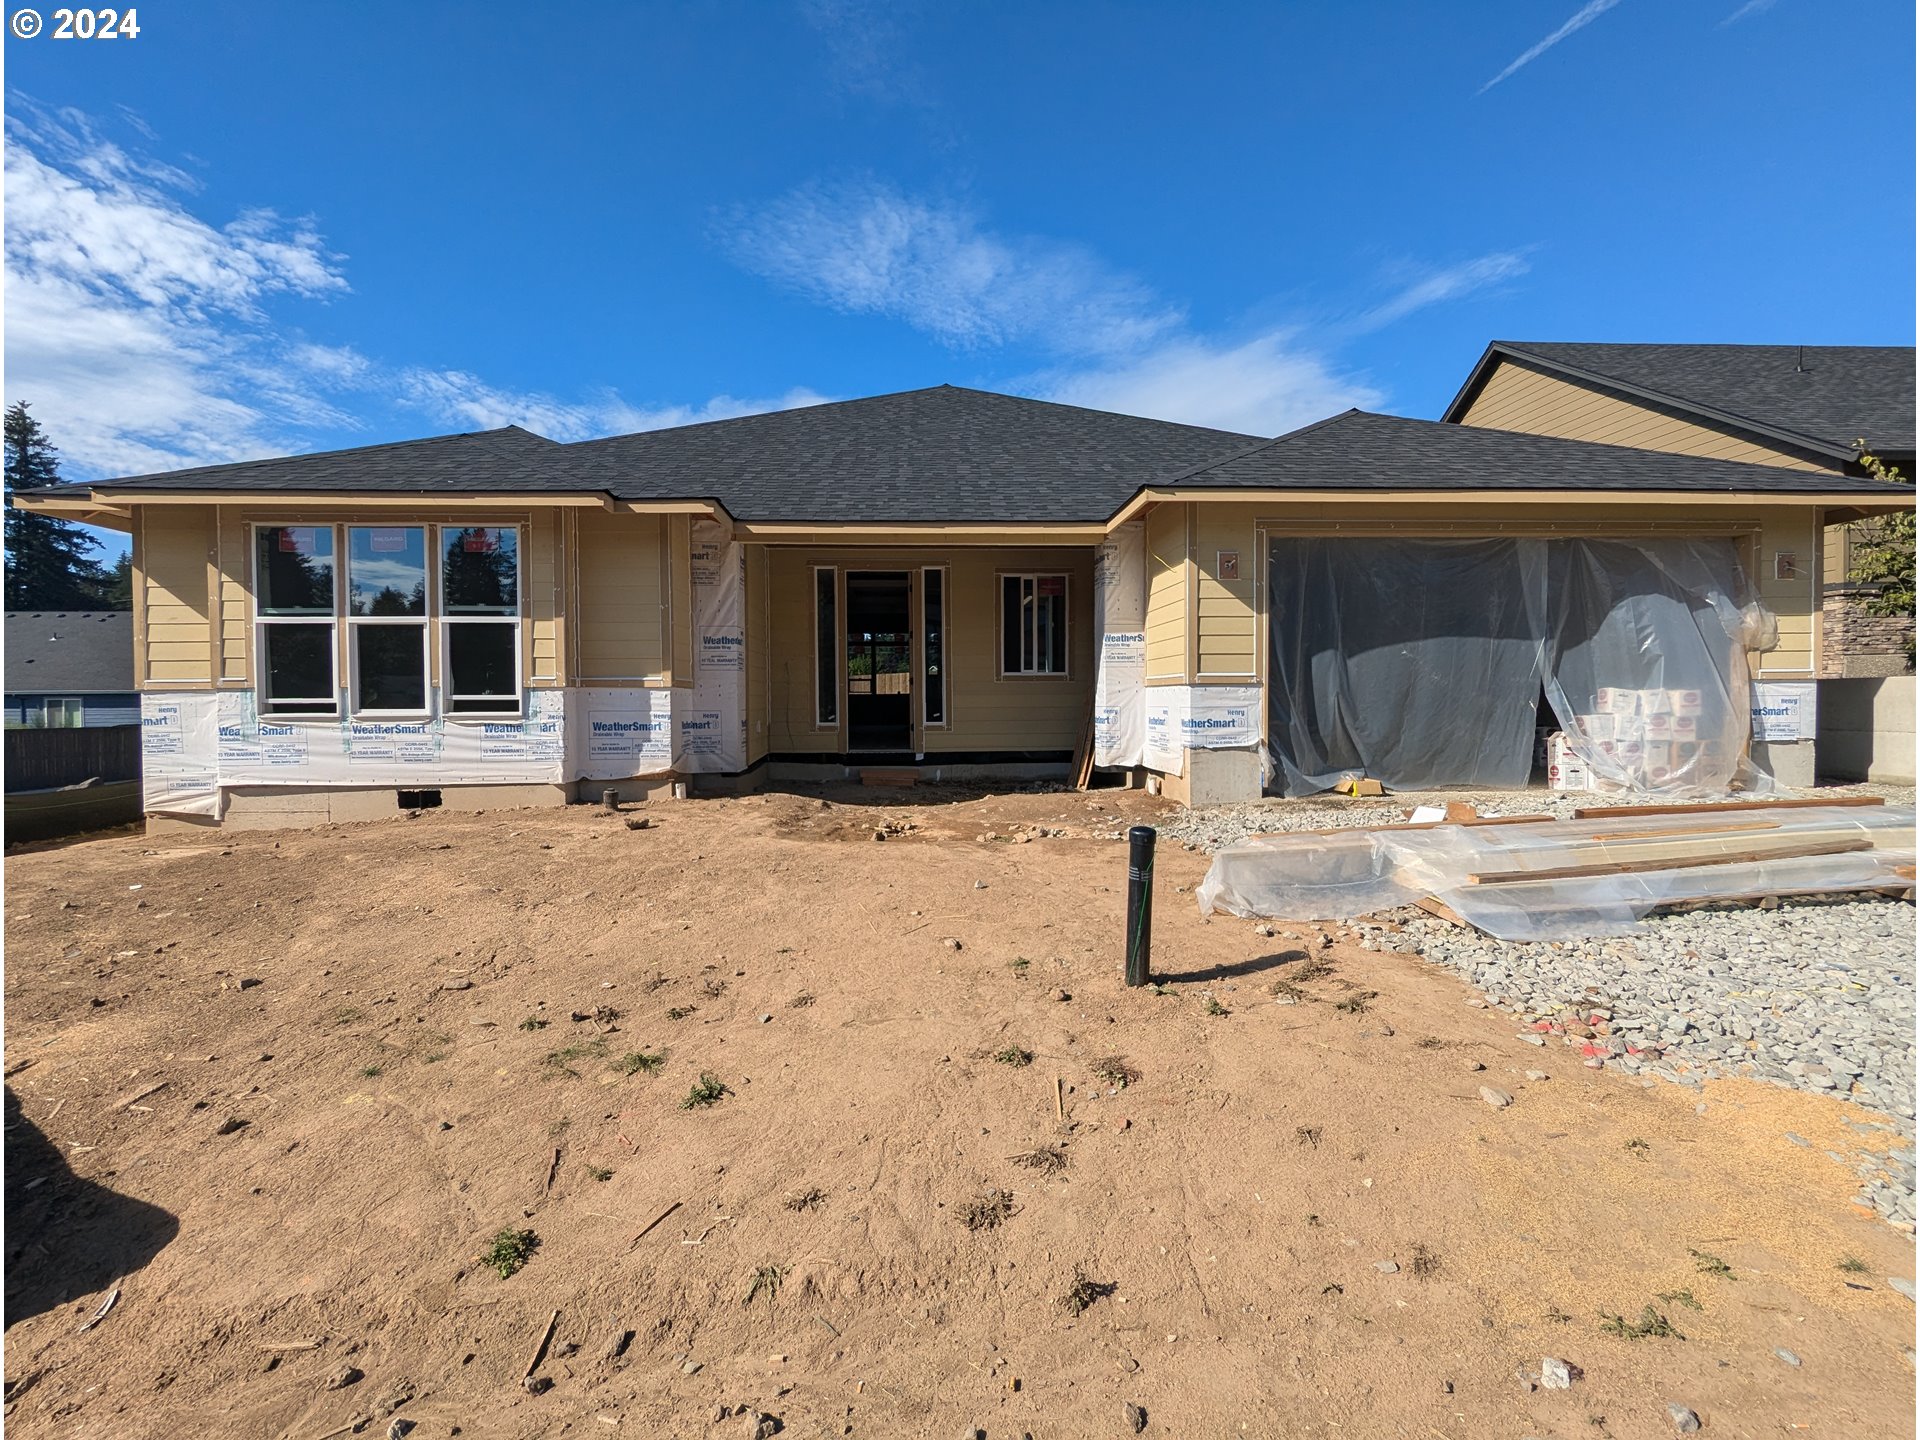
(1615,701)
(1686,727)
(1685,702)
(1656,702)
(1659,727)
(1596,727)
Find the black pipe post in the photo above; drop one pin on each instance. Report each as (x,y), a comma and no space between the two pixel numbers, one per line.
(1139,901)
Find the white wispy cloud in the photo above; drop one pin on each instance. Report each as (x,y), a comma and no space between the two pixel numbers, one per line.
(1579,20)
(463,400)
(1752,7)
(149,338)
(870,249)
(1436,287)
(1106,338)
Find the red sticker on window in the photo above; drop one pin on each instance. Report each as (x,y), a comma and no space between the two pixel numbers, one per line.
(1053,585)
(387,542)
(299,540)
(479,542)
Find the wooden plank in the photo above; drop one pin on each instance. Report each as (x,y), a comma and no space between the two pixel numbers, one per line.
(1443,910)
(1678,830)
(1397,827)
(1603,812)
(1654,863)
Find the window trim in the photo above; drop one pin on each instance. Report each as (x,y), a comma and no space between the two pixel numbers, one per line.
(423,622)
(945,722)
(1000,628)
(261,622)
(839,649)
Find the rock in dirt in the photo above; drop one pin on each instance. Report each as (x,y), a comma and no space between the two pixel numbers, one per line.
(1558,1374)
(760,1427)
(1685,1422)
(343,1377)
(1905,1287)
(1136,1417)
(1386,1267)
(1475,1065)
(1498,1099)
(1538,1075)
(458,983)
(1788,1356)
(951,943)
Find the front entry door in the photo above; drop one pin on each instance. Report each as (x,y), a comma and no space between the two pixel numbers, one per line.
(879,660)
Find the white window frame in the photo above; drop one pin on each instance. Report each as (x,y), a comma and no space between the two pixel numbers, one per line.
(1030,637)
(437,607)
(261,623)
(343,586)
(839,641)
(945,721)
(67,703)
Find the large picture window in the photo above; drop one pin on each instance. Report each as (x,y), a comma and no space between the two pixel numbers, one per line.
(294,617)
(480,619)
(1033,624)
(396,582)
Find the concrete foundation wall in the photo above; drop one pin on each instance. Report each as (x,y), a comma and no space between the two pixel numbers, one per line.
(1866,730)
(289,807)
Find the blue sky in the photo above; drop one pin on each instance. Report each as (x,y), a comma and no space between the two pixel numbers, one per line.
(263,228)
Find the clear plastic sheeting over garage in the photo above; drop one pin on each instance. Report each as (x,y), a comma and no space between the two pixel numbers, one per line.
(1421,663)
(1560,880)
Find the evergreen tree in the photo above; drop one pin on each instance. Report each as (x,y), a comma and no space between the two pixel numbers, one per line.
(49,562)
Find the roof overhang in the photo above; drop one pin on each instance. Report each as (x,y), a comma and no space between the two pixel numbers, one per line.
(821,533)
(1861,502)
(118,502)
(1498,351)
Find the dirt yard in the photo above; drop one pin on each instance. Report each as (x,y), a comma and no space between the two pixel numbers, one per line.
(283,1090)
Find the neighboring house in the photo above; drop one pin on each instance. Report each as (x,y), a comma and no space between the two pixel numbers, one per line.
(954,581)
(70,668)
(1804,407)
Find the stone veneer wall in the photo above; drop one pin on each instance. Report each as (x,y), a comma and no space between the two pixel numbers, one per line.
(1855,643)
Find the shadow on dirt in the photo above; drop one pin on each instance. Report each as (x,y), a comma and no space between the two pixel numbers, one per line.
(1252,966)
(67,1237)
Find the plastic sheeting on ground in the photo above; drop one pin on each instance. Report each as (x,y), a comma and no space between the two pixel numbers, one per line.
(1346,874)
(1420,663)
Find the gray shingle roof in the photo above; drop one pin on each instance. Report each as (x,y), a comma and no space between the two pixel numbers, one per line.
(1824,396)
(505,459)
(1359,450)
(918,456)
(69,652)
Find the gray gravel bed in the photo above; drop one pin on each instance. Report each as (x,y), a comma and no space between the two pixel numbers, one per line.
(1813,996)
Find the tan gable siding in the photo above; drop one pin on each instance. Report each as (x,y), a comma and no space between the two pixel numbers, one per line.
(1517,398)
(236,598)
(173,577)
(1167,593)
(620,616)
(542,566)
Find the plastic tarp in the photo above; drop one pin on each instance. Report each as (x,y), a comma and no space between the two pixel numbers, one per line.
(1364,871)
(1647,664)
(1414,662)
(1420,663)
(1120,674)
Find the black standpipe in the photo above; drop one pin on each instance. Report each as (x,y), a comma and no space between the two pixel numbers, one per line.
(1139,901)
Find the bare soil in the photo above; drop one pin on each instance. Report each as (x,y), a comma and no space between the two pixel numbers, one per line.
(887,1224)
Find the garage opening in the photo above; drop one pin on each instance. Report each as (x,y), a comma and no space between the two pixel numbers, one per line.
(1422,663)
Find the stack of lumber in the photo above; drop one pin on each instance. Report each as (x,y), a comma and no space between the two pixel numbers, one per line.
(1537,877)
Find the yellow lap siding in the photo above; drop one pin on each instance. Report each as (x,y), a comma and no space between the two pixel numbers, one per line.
(1167,596)
(620,617)
(174,583)
(1226,620)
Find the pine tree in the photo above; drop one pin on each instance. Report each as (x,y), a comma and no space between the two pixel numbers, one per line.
(49,562)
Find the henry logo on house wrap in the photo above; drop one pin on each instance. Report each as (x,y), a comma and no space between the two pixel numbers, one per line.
(1784,710)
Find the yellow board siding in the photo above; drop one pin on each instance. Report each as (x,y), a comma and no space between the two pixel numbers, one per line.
(620,618)
(1226,627)
(1795,600)
(1516,398)
(177,552)
(1167,593)
(759,656)
(236,597)
(541,567)
(984,710)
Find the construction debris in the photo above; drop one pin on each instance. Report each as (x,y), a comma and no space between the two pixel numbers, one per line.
(1545,879)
